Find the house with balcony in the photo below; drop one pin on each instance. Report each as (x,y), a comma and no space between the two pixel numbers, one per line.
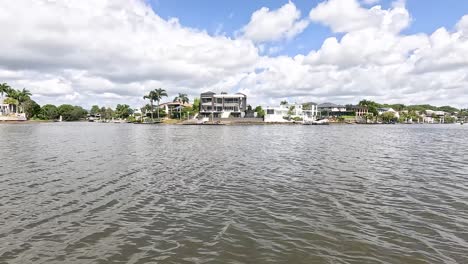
(290,112)
(223,105)
(173,107)
(357,110)
(9,110)
(331,110)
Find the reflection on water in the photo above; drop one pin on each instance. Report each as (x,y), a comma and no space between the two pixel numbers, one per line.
(118,193)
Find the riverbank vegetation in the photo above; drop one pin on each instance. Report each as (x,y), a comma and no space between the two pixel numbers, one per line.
(19,101)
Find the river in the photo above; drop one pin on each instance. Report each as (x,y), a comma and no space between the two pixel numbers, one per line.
(124,193)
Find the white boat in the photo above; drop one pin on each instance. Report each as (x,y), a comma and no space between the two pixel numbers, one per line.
(317,122)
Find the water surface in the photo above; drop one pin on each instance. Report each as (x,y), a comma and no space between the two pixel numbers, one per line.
(122,193)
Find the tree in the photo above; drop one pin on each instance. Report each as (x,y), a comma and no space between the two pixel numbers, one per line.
(260,112)
(369,117)
(48,112)
(284,102)
(4,88)
(371,106)
(152,97)
(388,117)
(108,113)
(196,105)
(182,99)
(159,95)
(291,111)
(155,95)
(12,101)
(71,113)
(123,111)
(31,108)
(95,110)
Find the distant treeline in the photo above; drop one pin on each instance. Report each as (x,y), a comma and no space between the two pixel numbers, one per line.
(373,106)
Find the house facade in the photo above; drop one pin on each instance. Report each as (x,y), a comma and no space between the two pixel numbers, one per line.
(357,110)
(330,109)
(9,112)
(380,111)
(286,113)
(223,105)
(171,107)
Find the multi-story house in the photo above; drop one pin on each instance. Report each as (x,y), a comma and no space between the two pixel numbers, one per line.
(287,112)
(223,105)
(330,109)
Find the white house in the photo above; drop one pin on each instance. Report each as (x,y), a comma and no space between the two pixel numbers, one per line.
(286,113)
(388,110)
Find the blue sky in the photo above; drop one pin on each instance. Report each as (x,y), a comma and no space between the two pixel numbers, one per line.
(227,17)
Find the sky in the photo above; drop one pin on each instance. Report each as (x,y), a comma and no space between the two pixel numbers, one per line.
(108,52)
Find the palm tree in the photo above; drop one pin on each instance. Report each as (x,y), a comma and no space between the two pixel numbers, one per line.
(4,88)
(152,97)
(22,96)
(155,95)
(159,95)
(182,99)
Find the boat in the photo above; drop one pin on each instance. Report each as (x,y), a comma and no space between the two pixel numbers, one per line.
(317,122)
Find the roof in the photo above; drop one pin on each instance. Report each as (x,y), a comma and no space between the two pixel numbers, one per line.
(237,95)
(174,104)
(328,105)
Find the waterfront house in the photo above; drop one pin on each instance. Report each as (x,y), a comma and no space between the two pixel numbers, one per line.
(223,105)
(330,109)
(9,111)
(172,107)
(286,113)
(357,110)
(435,113)
(380,111)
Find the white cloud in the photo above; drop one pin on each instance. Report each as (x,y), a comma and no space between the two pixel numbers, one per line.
(371,60)
(348,15)
(107,52)
(117,42)
(283,23)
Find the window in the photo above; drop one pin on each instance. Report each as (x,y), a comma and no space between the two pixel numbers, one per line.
(270,111)
(219,100)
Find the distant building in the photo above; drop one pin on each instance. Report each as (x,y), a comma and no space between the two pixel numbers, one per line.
(330,109)
(435,113)
(380,111)
(9,112)
(357,110)
(172,107)
(223,105)
(287,112)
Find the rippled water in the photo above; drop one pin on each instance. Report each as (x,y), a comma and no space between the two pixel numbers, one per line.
(118,193)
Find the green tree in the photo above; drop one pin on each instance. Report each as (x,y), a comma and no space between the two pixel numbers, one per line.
(4,88)
(388,117)
(284,102)
(71,113)
(95,110)
(196,105)
(12,101)
(155,96)
(123,111)
(371,106)
(31,108)
(108,113)
(48,112)
(260,112)
(182,99)
(160,93)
